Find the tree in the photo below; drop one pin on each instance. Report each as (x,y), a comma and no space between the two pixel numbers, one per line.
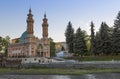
(92,39)
(4,44)
(69,34)
(104,39)
(79,43)
(87,41)
(7,38)
(98,43)
(0,43)
(52,49)
(116,35)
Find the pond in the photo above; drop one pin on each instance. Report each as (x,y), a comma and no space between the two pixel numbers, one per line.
(87,76)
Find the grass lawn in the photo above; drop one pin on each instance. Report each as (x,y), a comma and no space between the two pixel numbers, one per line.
(56,71)
(96,58)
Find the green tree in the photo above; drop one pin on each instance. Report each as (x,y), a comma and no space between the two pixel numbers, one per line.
(98,43)
(7,38)
(92,39)
(79,43)
(105,40)
(52,49)
(0,43)
(4,43)
(69,34)
(87,41)
(116,35)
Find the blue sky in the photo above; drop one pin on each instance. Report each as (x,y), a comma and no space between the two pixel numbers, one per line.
(13,14)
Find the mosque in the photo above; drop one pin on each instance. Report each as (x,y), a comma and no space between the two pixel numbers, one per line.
(28,45)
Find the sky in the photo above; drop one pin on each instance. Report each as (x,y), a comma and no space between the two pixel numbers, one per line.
(13,14)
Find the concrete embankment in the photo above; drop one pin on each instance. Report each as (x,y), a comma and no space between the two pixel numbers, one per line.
(77,65)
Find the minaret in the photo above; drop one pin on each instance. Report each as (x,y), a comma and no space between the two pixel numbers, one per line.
(45,27)
(30,23)
(30,38)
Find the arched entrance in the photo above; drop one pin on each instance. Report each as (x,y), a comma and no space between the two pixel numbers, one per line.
(40,50)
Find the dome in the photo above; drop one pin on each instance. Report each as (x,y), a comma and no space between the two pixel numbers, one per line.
(23,36)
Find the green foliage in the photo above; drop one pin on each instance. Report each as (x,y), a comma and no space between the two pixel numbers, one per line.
(103,40)
(6,51)
(7,38)
(52,49)
(116,35)
(55,71)
(0,48)
(69,34)
(4,42)
(98,44)
(79,43)
(92,39)
(95,58)
(88,44)
(87,39)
